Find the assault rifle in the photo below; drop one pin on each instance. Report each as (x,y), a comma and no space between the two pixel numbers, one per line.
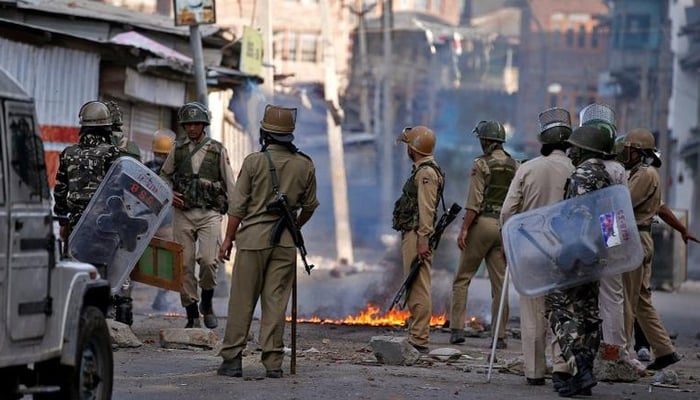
(445,220)
(288,220)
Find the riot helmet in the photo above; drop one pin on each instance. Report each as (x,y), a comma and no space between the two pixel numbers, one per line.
(279,122)
(94,113)
(419,138)
(593,139)
(642,142)
(193,113)
(490,130)
(555,126)
(162,142)
(640,138)
(116,113)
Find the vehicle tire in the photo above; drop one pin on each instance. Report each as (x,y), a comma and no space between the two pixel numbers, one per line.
(91,377)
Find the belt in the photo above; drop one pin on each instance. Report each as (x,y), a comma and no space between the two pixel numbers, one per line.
(644,228)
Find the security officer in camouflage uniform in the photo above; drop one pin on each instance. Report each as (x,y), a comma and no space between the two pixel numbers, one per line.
(82,166)
(265,263)
(200,174)
(645,189)
(415,213)
(81,169)
(480,236)
(537,183)
(119,139)
(573,312)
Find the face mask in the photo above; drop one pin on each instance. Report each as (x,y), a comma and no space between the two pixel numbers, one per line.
(574,153)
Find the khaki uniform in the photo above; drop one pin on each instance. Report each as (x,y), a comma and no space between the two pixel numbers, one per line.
(262,269)
(483,242)
(611,296)
(537,183)
(198,230)
(419,301)
(646,199)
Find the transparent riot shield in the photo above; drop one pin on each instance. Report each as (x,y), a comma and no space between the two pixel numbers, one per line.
(120,220)
(572,242)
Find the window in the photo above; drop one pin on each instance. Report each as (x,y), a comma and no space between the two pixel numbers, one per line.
(637,30)
(308,44)
(420,5)
(595,37)
(28,167)
(291,53)
(437,5)
(581,36)
(570,37)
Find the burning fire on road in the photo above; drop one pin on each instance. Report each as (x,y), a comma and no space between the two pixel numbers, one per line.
(371,316)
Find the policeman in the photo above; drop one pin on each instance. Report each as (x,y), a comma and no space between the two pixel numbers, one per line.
(537,183)
(200,174)
(637,155)
(573,312)
(119,139)
(81,168)
(611,296)
(161,145)
(480,236)
(415,213)
(265,263)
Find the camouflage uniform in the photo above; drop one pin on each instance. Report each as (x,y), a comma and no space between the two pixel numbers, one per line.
(81,169)
(573,312)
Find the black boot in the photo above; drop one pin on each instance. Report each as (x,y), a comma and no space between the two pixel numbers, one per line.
(123,310)
(583,381)
(193,316)
(207,309)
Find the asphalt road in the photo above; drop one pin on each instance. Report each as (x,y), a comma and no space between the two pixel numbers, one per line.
(335,362)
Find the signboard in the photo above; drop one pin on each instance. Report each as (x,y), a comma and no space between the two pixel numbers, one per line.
(194,12)
(160,265)
(251,52)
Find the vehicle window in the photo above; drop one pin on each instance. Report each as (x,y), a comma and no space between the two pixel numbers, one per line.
(27,161)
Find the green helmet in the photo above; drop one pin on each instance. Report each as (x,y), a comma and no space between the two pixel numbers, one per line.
(490,130)
(592,139)
(193,113)
(94,113)
(619,145)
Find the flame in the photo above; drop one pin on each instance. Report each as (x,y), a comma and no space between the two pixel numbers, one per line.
(370,316)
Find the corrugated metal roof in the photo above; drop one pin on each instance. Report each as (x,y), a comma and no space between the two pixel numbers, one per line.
(59,79)
(108,12)
(135,39)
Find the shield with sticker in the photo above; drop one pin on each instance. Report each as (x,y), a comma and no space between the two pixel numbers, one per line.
(120,220)
(571,242)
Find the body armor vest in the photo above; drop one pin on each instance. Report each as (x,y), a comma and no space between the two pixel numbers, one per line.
(406,207)
(204,189)
(87,167)
(501,172)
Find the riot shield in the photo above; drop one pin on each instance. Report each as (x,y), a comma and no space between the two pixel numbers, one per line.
(571,242)
(120,220)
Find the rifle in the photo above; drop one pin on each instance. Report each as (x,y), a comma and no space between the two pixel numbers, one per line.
(447,217)
(289,221)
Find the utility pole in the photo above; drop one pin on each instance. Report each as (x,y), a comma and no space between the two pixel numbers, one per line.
(343,235)
(268,73)
(200,78)
(360,12)
(387,164)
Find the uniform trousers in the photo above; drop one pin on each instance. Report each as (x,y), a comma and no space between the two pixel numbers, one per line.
(267,275)
(198,231)
(637,285)
(418,295)
(611,305)
(483,242)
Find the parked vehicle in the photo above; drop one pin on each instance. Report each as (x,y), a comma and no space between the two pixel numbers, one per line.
(54,341)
